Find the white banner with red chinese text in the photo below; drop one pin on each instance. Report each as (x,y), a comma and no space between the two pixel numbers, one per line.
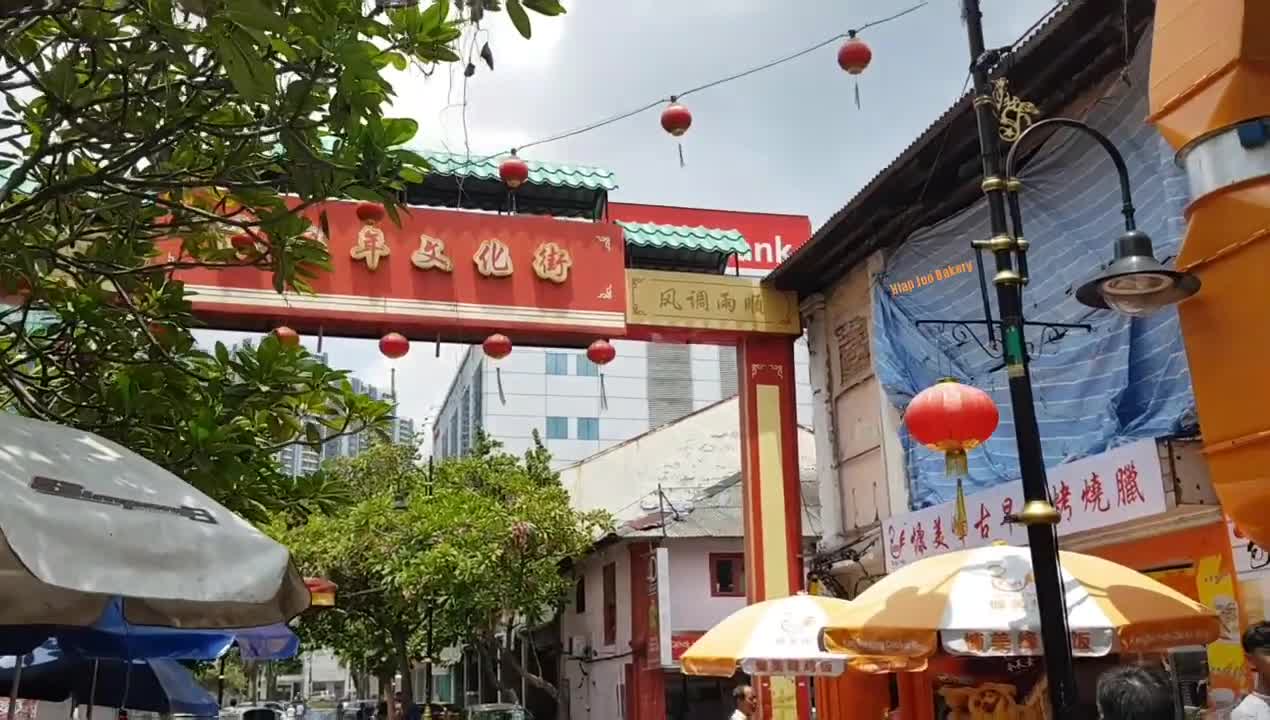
(1094,492)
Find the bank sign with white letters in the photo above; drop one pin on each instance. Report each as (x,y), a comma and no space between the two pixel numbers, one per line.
(1098,491)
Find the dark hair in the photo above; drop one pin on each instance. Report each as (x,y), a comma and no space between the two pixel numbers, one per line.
(1257,638)
(1134,692)
(738,692)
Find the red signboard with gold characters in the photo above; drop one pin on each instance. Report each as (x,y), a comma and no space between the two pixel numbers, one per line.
(539,278)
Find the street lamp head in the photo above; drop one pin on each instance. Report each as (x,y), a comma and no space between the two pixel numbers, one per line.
(1135,283)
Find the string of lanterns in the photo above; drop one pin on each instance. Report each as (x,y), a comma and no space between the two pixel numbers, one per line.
(854,57)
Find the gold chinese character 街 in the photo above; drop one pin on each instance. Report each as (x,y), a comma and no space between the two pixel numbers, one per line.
(431,255)
(371,246)
(493,258)
(552,262)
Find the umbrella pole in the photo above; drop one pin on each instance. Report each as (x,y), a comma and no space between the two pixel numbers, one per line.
(92,691)
(13,690)
(220,682)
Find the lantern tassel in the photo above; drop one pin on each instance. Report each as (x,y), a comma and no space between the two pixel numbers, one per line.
(498,375)
(857,94)
(956,464)
(960,521)
(681,154)
(604,398)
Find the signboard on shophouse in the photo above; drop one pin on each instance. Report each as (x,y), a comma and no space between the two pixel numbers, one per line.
(1098,491)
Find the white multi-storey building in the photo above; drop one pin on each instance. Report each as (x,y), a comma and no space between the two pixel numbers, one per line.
(579,408)
(297,460)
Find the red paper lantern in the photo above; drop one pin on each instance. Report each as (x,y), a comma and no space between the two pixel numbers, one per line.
(513,171)
(497,346)
(369,212)
(952,418)
(676,119)
(854,55)
(601,352)
(287,336)
(394,345)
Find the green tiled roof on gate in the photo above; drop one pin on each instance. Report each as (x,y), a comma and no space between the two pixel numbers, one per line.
(679,237)
(485,167)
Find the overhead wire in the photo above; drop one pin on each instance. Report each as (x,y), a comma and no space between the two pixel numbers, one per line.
(706,86)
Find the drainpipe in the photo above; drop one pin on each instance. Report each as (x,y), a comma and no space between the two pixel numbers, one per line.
(818,348)
(1210,99)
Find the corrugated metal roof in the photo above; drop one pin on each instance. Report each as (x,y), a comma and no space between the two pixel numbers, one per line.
(713,511)
(540,173)
(680,237)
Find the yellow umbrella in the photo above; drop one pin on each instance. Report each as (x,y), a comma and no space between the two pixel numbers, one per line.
(983,602)
(774,637)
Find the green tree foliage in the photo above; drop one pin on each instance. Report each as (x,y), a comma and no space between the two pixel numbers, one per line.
(143,137)
(481,540)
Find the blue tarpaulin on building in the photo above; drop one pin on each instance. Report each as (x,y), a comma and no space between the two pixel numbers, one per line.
(1123,381)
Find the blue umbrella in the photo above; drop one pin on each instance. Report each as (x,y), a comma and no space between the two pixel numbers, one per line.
(162,686)
(113,637)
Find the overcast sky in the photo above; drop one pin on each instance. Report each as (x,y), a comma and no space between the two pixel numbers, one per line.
(788,139)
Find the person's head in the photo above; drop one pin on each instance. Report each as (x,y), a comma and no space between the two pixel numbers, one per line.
(746,701)
(1256,642)
(1134,692)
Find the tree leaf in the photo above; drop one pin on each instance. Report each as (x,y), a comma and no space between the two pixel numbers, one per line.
(550,8)
(519,18)
(250,74)
(398,131)
(255,14)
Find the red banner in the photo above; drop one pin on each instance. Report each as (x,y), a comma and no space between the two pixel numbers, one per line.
(467,273)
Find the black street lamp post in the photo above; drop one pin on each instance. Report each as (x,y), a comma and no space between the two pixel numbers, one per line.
(1134,284)
(1038,514)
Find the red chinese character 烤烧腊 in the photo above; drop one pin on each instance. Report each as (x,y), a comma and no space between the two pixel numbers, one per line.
(1092,494)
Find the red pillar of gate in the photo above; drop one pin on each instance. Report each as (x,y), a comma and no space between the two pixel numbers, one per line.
(771,494)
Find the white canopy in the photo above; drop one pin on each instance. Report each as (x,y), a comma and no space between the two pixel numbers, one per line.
(83,519)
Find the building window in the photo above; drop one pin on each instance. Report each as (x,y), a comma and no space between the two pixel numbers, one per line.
(557,428)
(588,428)
(610,604)
(557,363)
(579,596)
(586,368)
(465,422)
(727,574)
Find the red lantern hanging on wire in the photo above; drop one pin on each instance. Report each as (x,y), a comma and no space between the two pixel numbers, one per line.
(854,56)
(601,352)
(369,213)
(513,171)
(287,336)
(952,418)
(497,347)
(394,346)
(676,120)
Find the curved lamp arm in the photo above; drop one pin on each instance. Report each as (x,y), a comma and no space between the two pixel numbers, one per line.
(1126,196)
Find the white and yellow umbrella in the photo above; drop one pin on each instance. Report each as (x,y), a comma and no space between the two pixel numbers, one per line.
(775,637)
(982,602)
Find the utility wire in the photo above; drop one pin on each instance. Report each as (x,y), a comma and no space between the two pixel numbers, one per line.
(715,83)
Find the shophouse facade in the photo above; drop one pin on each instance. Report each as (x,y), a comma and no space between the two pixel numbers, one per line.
(672,568)
(904,307)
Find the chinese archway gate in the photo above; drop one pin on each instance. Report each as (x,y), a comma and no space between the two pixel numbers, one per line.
(458,276)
